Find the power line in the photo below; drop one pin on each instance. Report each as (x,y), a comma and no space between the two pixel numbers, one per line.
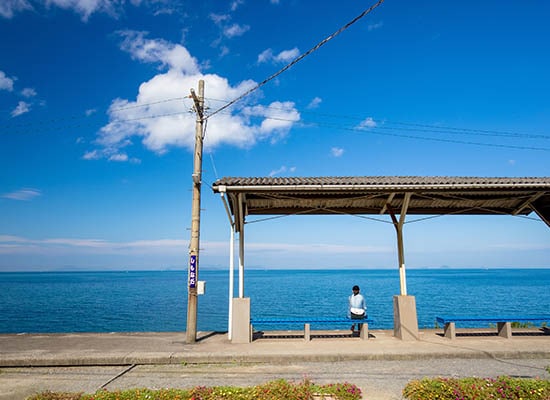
(465,131)
(297,59)
(95,115)
(377,130)
(439,128)
(149,104)
(45,128)
(431,128)
(481,131)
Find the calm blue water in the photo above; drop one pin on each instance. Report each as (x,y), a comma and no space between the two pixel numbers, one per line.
(157,300)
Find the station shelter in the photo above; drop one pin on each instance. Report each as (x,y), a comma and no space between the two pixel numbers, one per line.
(394,196)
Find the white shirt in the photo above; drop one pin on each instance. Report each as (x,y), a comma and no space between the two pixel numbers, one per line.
(357,301)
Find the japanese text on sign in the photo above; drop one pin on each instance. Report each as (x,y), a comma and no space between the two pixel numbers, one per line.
(193,271)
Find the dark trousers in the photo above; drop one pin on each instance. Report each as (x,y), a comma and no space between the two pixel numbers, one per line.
(358,318)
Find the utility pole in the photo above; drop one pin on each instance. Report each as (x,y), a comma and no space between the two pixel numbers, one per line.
(193,274)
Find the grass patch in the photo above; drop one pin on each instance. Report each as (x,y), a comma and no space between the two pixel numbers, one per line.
(274,390)
(503,387)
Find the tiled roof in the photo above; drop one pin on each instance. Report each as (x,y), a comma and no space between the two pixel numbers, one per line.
(432,195)
(382,181)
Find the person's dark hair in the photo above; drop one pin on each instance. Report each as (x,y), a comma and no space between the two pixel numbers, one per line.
(355,287)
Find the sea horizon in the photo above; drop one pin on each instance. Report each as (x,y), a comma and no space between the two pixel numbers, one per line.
(146,301)
(258,268)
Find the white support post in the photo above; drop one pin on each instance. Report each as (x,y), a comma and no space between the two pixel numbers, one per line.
(241,263)
(401,256)
(241,248)
(231,267)
(231,281)
(400,246)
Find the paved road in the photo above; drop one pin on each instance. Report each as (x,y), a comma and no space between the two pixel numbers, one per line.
(378,379)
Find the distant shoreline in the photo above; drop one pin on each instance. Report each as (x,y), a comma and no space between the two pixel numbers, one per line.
(218,269)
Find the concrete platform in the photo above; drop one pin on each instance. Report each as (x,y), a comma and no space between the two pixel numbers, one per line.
(381,366)
(81,349)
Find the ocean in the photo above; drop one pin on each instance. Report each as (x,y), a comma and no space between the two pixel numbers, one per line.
(145,301)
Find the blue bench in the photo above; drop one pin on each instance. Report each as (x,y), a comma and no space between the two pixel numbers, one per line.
(308,321)
(504,323)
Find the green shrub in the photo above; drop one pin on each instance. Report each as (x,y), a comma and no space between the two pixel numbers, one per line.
(56,396)
(503,387)
(275,390)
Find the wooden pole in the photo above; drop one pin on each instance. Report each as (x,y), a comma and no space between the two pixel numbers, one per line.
(194,243)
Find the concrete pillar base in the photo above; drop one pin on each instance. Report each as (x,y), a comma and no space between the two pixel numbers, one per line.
(449,331)
(240,327)
(504,329)
(405,321)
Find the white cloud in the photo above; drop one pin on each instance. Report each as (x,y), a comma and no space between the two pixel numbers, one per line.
(235,4)
(283,169)
(377,25)
(287,55)
(224,50)
(90,111)
(119,157)
(160,125)
(92,155)
(16,244)
(284,56)
(28,92)
(22,108)
(8,8)
(315,103)
(6,83)
(85,8)
(219,18)
(278,117)
(265,56)
(367,123)
(21,245)
(11,239)
(318,248)
(168,54)
(123,157)
(337,152)
(25,194)
(235,30)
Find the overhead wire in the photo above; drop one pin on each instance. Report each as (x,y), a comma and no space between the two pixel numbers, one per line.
(374,130)
(297,59)
(75,117)
(289,65)
(481,132)
(382,124)
(381,127)
(377,130)
(149,104)
(443,140)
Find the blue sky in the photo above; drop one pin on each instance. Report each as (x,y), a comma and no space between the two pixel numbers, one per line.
(96,132)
